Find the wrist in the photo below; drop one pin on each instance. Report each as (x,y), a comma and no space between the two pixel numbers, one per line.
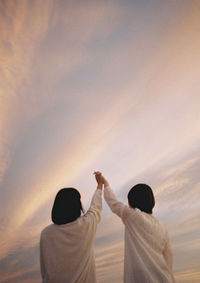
(100,186)
(106,185)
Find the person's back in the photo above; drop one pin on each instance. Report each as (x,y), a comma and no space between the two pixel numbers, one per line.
(146,241)
(66,250)
(148,256)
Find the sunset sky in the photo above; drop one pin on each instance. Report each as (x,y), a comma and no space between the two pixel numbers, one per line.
(98,85)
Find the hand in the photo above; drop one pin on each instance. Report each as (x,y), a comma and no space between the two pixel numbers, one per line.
(98,177)
(105,182)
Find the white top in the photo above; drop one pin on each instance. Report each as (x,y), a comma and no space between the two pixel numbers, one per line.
(148,256)
(66,251)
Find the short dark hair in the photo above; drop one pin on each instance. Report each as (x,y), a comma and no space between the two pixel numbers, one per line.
(141,196)
(67,206)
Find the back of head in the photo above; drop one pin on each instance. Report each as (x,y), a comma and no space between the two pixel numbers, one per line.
(141,197)
(67,206)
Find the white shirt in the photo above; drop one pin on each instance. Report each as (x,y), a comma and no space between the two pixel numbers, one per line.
(148,256)
(66,251)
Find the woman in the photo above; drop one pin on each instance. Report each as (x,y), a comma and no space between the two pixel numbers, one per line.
(148,256)
(66,247)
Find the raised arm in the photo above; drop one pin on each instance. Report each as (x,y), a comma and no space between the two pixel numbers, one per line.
(116,206)
(94,211)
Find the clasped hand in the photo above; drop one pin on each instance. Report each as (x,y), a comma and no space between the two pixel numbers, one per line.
(100,180)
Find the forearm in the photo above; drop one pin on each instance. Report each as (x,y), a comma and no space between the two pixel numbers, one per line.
(96,202)
(109,195)
(116,206)
(106,183)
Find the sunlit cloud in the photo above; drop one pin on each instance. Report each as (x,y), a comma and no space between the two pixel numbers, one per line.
(188,276)
(22,28)
(107,85)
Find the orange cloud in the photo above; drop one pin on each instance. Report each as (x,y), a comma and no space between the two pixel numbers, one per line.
(22,29)
(190,275)
(164,83)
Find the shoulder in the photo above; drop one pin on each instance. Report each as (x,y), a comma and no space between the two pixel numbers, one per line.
(162,228)
(141,217)
(135,212)
(47,229)
(165,231)
(132,214)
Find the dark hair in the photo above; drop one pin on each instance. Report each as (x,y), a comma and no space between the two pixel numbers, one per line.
(67,206)
(141,196)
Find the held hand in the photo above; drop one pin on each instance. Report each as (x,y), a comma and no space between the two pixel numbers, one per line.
(105,182)
(98,177)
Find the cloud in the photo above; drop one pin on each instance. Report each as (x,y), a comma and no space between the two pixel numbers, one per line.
(21,264)
(189,275)
(26,32)
(87,86)
(22,28)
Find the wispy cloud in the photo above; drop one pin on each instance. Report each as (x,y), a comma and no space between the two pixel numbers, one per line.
(88,86)
(22,29)
(188,276)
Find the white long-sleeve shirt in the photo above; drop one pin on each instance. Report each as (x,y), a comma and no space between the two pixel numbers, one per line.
(66,251)
(148,256)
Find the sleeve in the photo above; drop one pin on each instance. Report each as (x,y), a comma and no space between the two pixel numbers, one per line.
(42,270)
(117,207)
(94,212)
(167,253)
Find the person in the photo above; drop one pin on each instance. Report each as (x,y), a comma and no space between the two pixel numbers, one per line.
(66,246)
(148,254)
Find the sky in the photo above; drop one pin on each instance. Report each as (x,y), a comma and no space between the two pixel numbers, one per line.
(98,85)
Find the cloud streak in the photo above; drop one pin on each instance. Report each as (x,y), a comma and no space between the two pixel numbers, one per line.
(85,87)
